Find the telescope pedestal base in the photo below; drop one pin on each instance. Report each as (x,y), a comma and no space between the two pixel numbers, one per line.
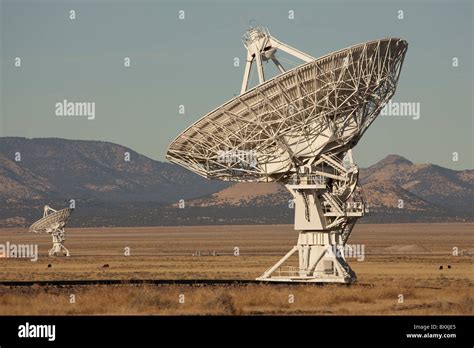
(321,260)
(58,248)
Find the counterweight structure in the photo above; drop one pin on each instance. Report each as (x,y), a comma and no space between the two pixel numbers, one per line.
(298,129)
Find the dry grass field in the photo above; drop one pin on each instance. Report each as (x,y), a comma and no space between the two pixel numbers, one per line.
(400,259)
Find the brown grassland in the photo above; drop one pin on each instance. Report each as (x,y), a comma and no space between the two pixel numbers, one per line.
(400,259)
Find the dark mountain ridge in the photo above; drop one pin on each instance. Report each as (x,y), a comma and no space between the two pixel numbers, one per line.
(114,185)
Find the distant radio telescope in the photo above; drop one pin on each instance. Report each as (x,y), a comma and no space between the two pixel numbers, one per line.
(53,223)
(298,129)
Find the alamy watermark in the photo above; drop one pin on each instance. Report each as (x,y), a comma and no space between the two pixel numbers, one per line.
(28,330)
(348,251)
(402,109)
(245,158)
(19,251)
(75,109)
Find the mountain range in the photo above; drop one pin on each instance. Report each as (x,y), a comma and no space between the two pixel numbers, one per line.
(112,185)
(395,189)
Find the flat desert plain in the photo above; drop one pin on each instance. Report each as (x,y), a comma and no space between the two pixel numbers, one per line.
(405,269)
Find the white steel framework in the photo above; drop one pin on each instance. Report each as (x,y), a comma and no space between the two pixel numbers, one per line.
(298,129)
(53,223)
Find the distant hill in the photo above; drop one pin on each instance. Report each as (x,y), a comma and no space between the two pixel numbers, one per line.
(92,169)
(245,194)
(111,191)
(421,186)
(428,192)
(93,173)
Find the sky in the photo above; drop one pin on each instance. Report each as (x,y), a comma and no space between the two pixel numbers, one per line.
(190,62)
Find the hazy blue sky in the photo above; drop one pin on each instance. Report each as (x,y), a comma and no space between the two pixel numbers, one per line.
(190,62)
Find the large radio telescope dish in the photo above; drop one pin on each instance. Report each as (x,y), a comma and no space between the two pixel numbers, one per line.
(298,129)
(53,222)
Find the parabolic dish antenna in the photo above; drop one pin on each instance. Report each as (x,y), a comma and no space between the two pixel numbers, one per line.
(298,129)
(53,222)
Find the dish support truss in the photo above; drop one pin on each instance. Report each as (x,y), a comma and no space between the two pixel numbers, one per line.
(297,129)
(321,107)
(58,234)
(327,202)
